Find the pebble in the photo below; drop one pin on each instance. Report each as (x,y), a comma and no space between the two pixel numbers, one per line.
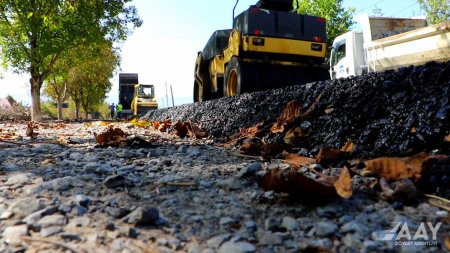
(23,207)
(356,227)
(237,247)
(289,223)
(19,179)
(12,234)
(442,214)
(324,229)
(250,170)
(269,238)
(79,198)
(142,215)
(114,181)
(49,231)
(231,184)
(216,241)
(82,200)
(52,220)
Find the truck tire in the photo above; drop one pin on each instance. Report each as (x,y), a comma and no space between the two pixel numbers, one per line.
(234,82)
(202,87)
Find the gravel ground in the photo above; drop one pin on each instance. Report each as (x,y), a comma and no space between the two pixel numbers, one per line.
(407,110)
(179,195)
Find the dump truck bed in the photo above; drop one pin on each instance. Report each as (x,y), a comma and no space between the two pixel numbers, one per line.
(391,42)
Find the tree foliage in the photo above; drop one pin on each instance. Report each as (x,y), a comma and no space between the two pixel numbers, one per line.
(34,33)
(338,18)
(436,10)
(88,78)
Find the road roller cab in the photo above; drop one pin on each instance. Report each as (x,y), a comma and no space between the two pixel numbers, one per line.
(268,47)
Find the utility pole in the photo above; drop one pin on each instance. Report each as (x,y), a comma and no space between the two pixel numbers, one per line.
(171,92)
(167,96)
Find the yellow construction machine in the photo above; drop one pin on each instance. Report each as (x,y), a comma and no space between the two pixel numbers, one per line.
(268,47)
(136,99)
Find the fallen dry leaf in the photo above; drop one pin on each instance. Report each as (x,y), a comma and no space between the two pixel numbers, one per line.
(402,190)
(296,161)
(255,131)
(112,137)
(251,146)
(348,147)
(162,126)
(180,129)
(290,113)
(294,137)
(300,186)
(343,184)
(395,168)
(48,161)
(195,131)
(328,156)
(30,130)
(140,123)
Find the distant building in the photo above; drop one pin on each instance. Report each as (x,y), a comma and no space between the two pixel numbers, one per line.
(4,103)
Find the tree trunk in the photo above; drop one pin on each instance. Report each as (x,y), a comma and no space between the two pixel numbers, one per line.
(35,83)
(60,102)
(77,109)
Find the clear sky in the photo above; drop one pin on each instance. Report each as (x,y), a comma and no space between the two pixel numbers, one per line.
(163,50)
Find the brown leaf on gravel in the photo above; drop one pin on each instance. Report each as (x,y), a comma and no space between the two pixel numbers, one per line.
(30,130)
(402,190)
(327,156)
(301,186)
(162,126)
(343,184)
(296,161)
(114,137)
(251,146)
(447,138)
(7,135)
(348,147)
(180,129)
(294,137)
(255,131)
(194,131)
(48,161)
(395,168)
(290,113)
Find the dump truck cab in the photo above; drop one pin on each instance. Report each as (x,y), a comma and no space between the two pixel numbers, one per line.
(267,47)
(144,99)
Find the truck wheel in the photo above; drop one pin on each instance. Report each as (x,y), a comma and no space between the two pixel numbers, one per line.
(233,83)
(197,94)
(201,92)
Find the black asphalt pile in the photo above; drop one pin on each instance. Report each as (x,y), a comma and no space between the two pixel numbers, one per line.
(394,112)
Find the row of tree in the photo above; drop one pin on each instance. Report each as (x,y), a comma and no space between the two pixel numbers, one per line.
(67,46)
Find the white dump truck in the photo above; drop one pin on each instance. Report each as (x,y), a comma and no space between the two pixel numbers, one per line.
(388,43)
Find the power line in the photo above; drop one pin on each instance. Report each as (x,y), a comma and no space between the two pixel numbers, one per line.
(365,8)
(402,10)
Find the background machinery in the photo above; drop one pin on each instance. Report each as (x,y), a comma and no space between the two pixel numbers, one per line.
(269,46)
(135,98)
